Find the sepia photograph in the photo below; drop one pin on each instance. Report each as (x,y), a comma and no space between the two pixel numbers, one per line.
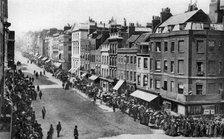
(111,69)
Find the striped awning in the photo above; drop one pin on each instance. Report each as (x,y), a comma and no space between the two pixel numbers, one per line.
(143,95)
(48,61)
(93,77)
(118,85)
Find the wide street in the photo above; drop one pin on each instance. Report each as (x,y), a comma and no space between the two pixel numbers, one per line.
(71,109)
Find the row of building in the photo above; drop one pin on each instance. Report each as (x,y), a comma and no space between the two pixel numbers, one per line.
(7,40)
(178,58)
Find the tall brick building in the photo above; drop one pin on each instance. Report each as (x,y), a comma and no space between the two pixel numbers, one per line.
(186,61)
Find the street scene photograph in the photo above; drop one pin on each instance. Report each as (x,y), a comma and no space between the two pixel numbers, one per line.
(111,69)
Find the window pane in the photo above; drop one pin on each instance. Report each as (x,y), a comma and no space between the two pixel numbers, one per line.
(165,65)
(180,88)
(145,80)
(165,46)
(199,89)
(211,65)
(181,66)
(145,62)
(158,65)
(172,66)
(158,46)
(164,85)
(157,84)
(139,62)
(181,46)
(171,86)
(200,46)
(172,46)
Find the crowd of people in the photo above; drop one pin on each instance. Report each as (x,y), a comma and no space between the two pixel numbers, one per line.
(20,92)
(173,125)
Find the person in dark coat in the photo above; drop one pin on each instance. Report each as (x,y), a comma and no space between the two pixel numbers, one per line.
(63,85)
(58,129)
(43,112)
(44,72)
(38,88)
(37,75)
(76,133)
(40,94)
(40,73)
(48,135)
(51,131)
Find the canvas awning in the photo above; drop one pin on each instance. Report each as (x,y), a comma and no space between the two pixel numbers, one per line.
(93,77)
(84,74)
(118,85)
(39,57)
(58,73)
(45,58)
(48,61)
(143,95)
(57,65)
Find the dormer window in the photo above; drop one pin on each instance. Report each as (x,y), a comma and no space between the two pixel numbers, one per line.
(170,27)
(182,26)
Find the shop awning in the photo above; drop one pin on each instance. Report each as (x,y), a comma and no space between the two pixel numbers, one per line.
(58,73)
(143,95)
(84,74)
(93,77)
(45,58)
(57,65)
(48,61)
(39,57)
(118,85)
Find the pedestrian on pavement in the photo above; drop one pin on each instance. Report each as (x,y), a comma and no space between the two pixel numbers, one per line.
(40,73)
(38,88)
(44,72)
(63,85)
(43,112)
(48,135)
(37,75)
(34,72)
(51,131)
(58,129)
(76,133)
(40,94)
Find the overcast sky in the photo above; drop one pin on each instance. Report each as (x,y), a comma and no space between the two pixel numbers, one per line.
(34,15)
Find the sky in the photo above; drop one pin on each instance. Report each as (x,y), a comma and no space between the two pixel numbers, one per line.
(34,15)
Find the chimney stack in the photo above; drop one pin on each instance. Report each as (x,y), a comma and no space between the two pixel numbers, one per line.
(165,14)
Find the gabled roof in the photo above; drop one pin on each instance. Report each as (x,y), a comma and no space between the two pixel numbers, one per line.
(180,18)
(80,26)
(142,38)
(133,38)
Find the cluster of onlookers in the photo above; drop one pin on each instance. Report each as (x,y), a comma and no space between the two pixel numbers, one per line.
(172,124)
(20,92)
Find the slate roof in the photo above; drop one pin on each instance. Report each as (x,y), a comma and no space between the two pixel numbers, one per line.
(142,38)
(133,38)
(179,18)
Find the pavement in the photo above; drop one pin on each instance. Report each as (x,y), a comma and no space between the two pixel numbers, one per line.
(4,135)
(72,107)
